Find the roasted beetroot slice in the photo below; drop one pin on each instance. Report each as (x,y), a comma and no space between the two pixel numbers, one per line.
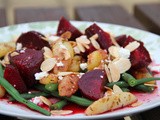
(65,25)
(91,84)
(32,40)
(140,57)
(12,75)
(121,39)
(104,38)
(28,63)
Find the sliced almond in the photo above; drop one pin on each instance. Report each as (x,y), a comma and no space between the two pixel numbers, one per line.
(66,35)
(67,54)
(95,43)
(114,51)
(73,43)
(138,103)
(108,92)
(47,52)
(14,54)
(108,73)
(115,73)
(48,64)
(153,85)
(83,40)
(114,41)
(80,47)
(45,100)
(61,112)
(95,36)
(132,46)
(64,73)
(117,89)
(123,64)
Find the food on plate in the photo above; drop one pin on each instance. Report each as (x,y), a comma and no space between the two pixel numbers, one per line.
(94,69)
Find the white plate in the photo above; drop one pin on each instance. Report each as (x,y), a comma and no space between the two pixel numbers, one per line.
(151,41)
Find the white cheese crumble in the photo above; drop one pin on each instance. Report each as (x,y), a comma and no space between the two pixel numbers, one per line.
(83,66)
(60,64)
(60,77)
(83,36)
(18,46)
(36,100)
(40,75)
(124,53)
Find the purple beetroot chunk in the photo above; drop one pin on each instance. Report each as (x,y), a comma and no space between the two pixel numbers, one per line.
(28,63)
(33,40)
(65,25)
(121,39)
(91,84)
(12,75)
(104,38)
(140,57)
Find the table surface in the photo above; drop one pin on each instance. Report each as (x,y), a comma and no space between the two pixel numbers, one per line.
(146,17)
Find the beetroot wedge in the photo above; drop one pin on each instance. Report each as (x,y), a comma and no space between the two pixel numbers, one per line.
(65,25)
(32,40)
(121,39)
(104,38)
(91,84)
(140,57)
(12,75)
(28,63)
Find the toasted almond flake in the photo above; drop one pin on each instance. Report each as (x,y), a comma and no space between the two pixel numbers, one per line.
(114,51)
(80,47)
(66,35)
(153,85)
(14,54)
(76,50)
(114,41)
(85,45)
(108,73)
(95,36)
(95,43)
(132,46)
(123,64)
(48,64)
(108,92)
(64,73)
(73,43)
(117,89)
(47,52)
(138,103)
(115,73)
(45,100)
(61,112)
(82,40)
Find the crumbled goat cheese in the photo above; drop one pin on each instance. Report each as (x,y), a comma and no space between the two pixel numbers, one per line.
(40,75)
(124,53)
(60,64)
(60,77)
(18,46)
(83,66)
(36,100)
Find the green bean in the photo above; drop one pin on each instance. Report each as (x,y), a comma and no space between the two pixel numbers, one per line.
(75,99)
(1,71)
(121,84)
(144,88)
(51,87)
(133,82)
(59,105)
(31,95)
(15,94)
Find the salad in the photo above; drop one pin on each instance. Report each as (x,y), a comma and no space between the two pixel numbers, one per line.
(94,69)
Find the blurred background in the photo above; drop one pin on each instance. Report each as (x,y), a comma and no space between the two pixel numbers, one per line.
(69,5)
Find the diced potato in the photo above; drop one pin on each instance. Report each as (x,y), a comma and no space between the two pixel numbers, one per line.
(107,103)
(6,47)
(51,78)
(68,85)
(94,59)
(75,64)
(2,91)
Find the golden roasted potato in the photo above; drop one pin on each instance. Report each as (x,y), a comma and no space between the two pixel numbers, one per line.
(6,47)
(51,78)
(94,58)
(75,64)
